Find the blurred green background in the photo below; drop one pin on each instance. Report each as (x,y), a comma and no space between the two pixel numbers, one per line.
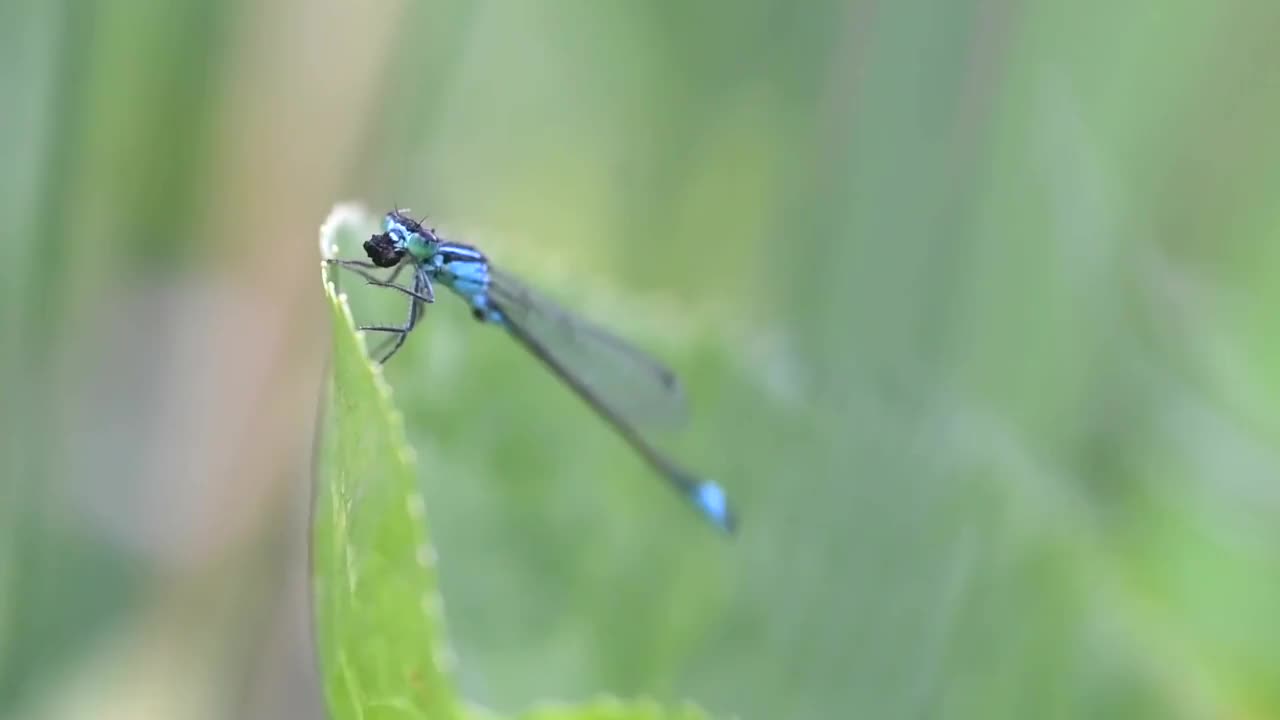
(976,302)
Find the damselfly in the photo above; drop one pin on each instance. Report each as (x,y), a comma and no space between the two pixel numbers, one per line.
(623,384)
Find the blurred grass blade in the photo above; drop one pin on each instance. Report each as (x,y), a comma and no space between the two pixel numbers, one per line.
(378,615)
(379,629)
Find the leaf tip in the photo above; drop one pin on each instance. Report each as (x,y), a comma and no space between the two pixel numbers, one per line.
(343,215)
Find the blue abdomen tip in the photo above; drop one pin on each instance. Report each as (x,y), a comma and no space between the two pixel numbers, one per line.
(713,503)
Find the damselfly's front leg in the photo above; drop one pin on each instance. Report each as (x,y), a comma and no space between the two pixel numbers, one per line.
(421,293)
(358,267)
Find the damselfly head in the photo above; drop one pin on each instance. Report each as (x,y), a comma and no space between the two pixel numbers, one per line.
(383,250)
(401,232)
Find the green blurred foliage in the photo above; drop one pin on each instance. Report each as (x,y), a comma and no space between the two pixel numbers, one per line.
(975,301)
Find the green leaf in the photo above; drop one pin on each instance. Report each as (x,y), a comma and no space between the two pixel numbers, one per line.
(379,618)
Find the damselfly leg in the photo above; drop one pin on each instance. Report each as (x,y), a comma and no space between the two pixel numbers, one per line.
(362,269)
(420,294)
